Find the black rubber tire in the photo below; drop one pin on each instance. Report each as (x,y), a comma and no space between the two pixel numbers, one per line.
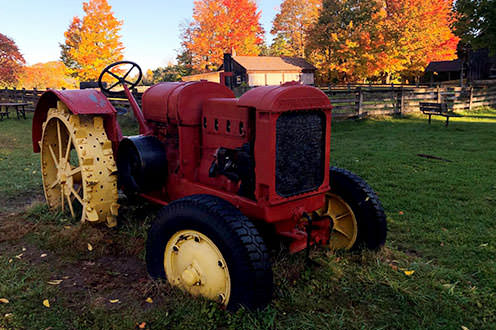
(370,216)
(233,233)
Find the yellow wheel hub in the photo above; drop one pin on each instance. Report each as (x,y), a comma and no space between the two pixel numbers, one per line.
(194,263)
(77,166)
(344,224)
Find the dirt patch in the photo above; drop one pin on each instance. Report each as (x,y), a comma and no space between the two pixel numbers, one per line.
(20,202)
(107,282)
(13,227)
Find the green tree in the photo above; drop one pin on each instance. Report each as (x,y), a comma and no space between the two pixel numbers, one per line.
(476,23)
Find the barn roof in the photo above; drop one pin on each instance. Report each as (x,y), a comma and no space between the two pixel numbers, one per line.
(444,66)
(272,63)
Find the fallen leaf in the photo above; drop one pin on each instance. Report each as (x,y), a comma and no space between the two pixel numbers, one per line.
(46,303)
(4,301)
(10,261)
(142,325)
(44,255)
(114,301)
(19,256)
(8,315)
(444,229)
(67,227)
(401,212)
(90,247)
(24,249)
(442,244)
(149,300)
(464,327)
(484,245)
(54,282)
(450,287)
(408,272)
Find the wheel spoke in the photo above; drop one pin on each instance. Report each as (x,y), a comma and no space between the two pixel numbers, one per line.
(76,194)
(62,198)
(56,182)
(53,156)
(341,230)
(75,171)
(127,73)
(69,202)
(344,215)
(59,138)
(69,142)
(114,75)
(117,83)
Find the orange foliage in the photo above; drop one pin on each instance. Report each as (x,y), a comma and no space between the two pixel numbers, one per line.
(293,23)
(218,27)
(46,75)
(11,61)
(93,42)
(386,40)
(420,33)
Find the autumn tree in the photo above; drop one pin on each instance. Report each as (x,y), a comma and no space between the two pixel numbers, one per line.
(11,62)
(93,42)
(219,26)
(385,40)
(46,75)
(419,32)
(346,43)
(292,25)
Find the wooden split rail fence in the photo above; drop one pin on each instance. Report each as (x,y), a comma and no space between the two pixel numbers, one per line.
(373,101)
(349,102)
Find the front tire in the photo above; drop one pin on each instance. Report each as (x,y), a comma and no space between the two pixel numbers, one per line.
(356,212)
(207,247)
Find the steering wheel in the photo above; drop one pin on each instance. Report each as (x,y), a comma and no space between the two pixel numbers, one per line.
(121,80)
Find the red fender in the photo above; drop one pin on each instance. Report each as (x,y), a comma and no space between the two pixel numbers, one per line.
(79,102)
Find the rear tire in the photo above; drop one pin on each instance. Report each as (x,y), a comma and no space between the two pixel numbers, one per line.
(216,221)
(368,211)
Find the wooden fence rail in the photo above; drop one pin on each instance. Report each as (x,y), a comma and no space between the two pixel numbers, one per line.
(348,102)
(362,100)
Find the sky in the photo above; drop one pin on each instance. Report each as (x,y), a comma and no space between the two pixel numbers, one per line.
(150,32)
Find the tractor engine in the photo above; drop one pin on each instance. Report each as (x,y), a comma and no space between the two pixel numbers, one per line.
(261,151)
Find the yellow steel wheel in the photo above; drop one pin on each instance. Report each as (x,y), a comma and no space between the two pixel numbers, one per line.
(194,263)
(344,223)
(77,166)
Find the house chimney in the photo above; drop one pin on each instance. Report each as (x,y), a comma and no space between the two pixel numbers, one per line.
(228,67)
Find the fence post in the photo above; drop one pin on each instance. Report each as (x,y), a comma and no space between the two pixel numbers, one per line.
(438,94)
(471,97)
(402,101)
(360,101)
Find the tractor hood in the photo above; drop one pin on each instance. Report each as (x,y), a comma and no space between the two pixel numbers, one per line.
(289,96)
(180,102)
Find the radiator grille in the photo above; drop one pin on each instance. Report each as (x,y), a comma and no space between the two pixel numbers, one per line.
(300,153)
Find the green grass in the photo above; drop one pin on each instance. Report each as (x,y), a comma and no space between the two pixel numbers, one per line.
(19,166)
(442,225)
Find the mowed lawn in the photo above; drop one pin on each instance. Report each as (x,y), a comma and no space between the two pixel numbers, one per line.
(437,270)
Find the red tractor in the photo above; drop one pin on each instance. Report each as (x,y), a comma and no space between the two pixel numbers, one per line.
(222,167)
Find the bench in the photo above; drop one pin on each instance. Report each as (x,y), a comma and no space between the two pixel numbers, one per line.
(19,107)
(435,109)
